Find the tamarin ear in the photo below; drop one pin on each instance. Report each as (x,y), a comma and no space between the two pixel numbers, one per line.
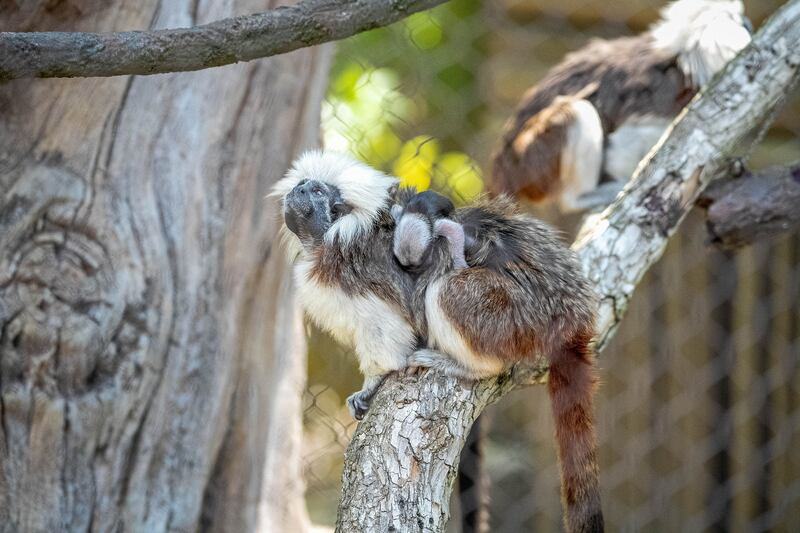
(397,213)
(454,233)
(444,227)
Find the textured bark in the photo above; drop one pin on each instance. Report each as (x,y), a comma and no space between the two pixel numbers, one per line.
(400,466)
(242,38)
(151,359)
(753,208)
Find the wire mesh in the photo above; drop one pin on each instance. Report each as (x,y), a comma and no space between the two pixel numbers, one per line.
(699,409)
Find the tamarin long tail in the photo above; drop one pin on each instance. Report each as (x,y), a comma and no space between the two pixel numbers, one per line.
(473,492)
(571,385)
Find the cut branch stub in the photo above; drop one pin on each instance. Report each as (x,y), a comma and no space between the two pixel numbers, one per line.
(753,208)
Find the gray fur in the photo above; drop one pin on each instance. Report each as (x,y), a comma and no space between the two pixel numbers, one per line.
(548,295)
(412,237)
(427,358)
(454,233)
(415,231)
(630,77)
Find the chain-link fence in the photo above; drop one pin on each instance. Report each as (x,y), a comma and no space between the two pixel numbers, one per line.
(699,409)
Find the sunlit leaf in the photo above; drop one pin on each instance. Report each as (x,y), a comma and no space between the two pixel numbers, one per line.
(382,148)
(343,86)
(424,31)
(414,166)
(460,175)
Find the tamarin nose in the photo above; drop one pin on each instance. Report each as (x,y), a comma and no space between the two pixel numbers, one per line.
(299,200)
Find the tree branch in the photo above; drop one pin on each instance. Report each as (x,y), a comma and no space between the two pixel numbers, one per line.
(753,208)
(281,30)
(400,465)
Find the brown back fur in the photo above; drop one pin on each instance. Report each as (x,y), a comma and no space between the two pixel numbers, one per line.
(525,294)
(632,77)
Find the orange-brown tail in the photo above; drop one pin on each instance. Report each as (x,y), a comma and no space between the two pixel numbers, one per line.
(528,162)
(571,384)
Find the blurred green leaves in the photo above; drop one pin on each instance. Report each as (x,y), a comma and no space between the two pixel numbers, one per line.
(401,102)
(361,113)
(421,164)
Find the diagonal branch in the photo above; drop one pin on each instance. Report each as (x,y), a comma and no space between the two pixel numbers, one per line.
(281,30)
(400,465)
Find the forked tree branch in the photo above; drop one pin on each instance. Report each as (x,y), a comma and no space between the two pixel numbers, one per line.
(309,22)
(753,208)
(400,466)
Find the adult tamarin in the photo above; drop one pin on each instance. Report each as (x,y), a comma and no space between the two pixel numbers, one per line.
(340,232)
(496,287)
(598,113)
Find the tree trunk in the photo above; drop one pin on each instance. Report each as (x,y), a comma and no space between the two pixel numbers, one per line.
(151,356)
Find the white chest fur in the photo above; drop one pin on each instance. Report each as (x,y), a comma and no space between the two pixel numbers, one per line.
(382,339)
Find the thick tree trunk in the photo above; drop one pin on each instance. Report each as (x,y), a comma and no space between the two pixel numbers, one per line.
(151,357)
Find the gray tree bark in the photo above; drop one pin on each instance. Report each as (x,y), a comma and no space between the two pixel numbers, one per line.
(243,38)
(753,208)
(151,359)
(401,463)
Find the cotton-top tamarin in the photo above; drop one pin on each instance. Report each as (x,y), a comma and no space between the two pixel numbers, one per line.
(579,134)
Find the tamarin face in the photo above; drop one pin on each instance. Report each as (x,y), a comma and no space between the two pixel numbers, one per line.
(311,208)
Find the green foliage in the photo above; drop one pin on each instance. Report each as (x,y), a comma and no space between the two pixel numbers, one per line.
(404,99)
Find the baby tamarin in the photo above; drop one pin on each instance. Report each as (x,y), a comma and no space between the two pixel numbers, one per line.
(497,287)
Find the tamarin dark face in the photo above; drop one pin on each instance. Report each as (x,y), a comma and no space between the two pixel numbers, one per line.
(312,207)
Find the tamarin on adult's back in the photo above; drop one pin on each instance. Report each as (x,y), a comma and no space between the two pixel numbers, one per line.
(496,287)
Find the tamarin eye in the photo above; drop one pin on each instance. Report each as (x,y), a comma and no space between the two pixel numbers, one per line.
(317,191)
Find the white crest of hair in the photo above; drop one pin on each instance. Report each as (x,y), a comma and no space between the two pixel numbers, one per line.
(631,142)
(363,188)
(704,34)
(290,242)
